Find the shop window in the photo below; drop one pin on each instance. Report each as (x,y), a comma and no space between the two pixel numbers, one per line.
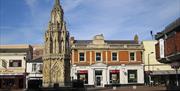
(132,56)
(132,76)
(114,76)
(40,68)
(114,56)
(98,56)
(9,82)
(83,75)
(34,67)
(81,57)
(15,63)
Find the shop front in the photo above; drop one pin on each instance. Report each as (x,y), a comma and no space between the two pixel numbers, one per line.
(109,75)
(114,76)
(34,83)
(132,76)
(12,81)
(83,75)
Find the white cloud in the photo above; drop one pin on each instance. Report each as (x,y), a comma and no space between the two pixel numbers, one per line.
(22,34)
(170,9)
(71,4)
(31,3)
(116,19)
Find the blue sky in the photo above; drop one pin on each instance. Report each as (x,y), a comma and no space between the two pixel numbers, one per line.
(25,21)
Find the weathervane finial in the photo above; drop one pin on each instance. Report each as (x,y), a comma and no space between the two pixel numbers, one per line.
(57,2)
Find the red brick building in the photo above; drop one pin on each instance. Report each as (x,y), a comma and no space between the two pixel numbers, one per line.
(168,46)
(171,38)
(102,62)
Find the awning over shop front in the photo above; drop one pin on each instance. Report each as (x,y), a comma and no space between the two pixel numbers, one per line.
(167,72)
(11,76)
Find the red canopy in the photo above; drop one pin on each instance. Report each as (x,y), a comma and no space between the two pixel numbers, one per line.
(82,71)
(114,71)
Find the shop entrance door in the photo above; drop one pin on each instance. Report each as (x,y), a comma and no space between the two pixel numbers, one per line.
(98,78)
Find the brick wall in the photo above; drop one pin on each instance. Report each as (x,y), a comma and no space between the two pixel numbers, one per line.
(88,57)
(93,57)
(123,57)
(75,56)
(157,51)
(138,56)
(104,57)
(178,41)
(171,45)
(109,56)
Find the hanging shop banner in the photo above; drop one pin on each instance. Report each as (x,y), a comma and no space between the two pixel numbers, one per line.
(161,48)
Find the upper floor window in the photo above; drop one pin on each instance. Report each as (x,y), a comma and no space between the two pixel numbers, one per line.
(4,63)
(114,56)
(34,67)
(132,56)
(98,56)
(15,63)
(81,56)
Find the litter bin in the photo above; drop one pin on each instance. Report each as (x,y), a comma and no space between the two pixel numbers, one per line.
(78,84)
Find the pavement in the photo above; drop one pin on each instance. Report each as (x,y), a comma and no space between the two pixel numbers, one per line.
(12,90)
(123,88)
(130,88)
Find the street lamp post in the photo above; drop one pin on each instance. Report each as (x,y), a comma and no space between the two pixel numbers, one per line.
(176,65)
(149,76)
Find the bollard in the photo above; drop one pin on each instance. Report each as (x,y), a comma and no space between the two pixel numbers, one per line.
(134,87)
(114,87)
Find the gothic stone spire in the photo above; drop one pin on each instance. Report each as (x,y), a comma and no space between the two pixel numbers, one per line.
(57,2)
(56,57)
(57,15)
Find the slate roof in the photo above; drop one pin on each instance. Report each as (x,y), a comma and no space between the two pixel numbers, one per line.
(82,41)
(38,59)
(37,51)
(85,42)
(174,26)
(15,46)
(121,42)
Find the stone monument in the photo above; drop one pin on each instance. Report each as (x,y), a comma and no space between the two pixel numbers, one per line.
(56,57)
